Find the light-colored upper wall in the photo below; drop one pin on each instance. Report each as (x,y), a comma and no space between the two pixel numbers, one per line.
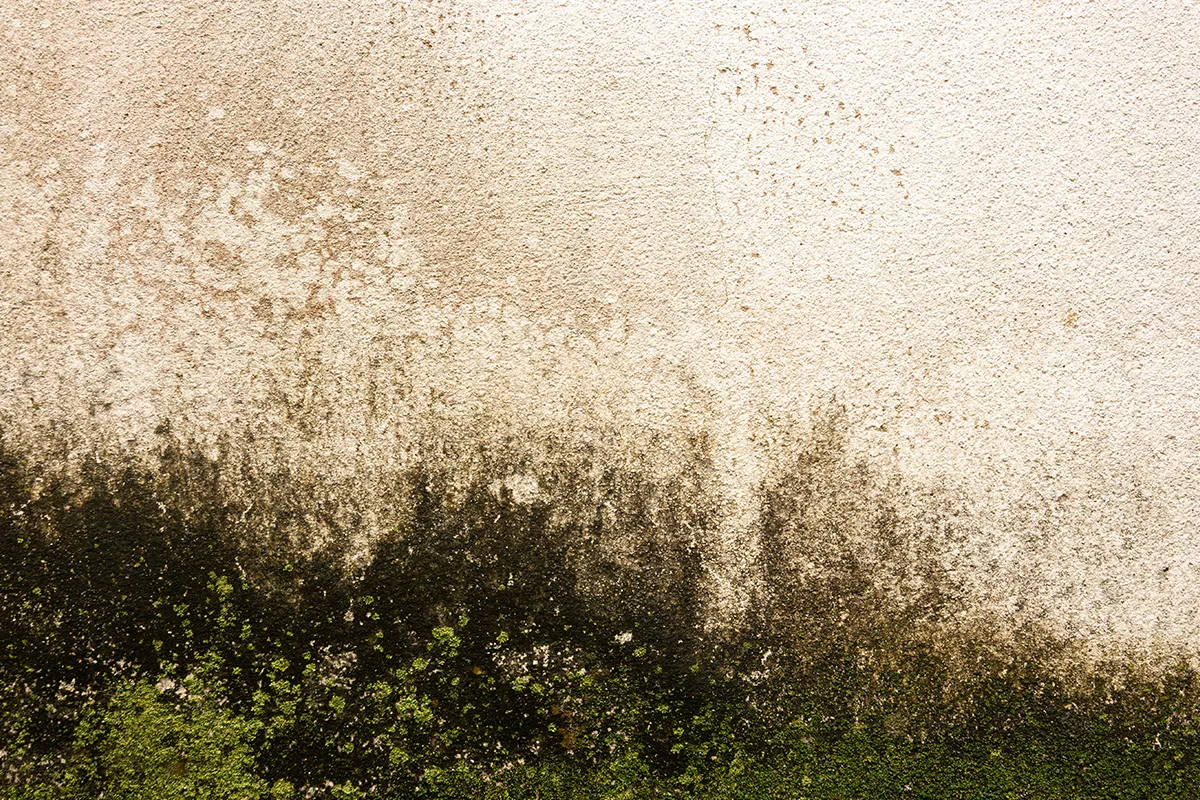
(974,222)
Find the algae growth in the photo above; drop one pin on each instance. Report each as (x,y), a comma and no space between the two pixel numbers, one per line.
(536,636)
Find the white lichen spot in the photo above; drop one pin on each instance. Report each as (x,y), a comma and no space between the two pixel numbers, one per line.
(524,489)
(521,489)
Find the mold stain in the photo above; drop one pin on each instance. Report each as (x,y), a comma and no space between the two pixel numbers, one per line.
(537,617)
(438,512)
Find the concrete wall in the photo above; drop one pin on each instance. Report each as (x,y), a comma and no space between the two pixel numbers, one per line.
(324,232)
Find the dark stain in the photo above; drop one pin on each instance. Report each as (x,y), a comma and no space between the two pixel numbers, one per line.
(553,613)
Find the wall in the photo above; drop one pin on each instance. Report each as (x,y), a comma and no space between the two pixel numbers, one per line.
(323,233)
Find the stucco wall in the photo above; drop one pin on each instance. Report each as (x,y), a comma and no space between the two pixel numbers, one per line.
(336,227)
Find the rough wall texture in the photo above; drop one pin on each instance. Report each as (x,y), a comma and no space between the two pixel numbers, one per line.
(321,234)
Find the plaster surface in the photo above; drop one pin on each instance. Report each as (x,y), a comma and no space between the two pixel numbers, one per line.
(325,229)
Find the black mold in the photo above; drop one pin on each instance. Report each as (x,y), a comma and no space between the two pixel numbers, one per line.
(561,626)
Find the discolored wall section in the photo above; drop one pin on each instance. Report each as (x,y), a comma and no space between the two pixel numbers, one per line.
(329,239)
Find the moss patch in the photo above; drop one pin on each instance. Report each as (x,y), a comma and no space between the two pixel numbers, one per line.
(537,636)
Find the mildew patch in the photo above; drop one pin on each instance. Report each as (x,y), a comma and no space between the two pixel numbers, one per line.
(538,605)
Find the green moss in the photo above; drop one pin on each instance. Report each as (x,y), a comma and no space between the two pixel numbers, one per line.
(146,746)
(491,648)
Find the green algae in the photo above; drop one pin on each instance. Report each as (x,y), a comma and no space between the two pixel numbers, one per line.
(493,646)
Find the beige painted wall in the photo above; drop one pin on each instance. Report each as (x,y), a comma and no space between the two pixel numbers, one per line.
(329,223)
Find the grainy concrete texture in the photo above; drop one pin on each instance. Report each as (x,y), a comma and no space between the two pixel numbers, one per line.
(337,226)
